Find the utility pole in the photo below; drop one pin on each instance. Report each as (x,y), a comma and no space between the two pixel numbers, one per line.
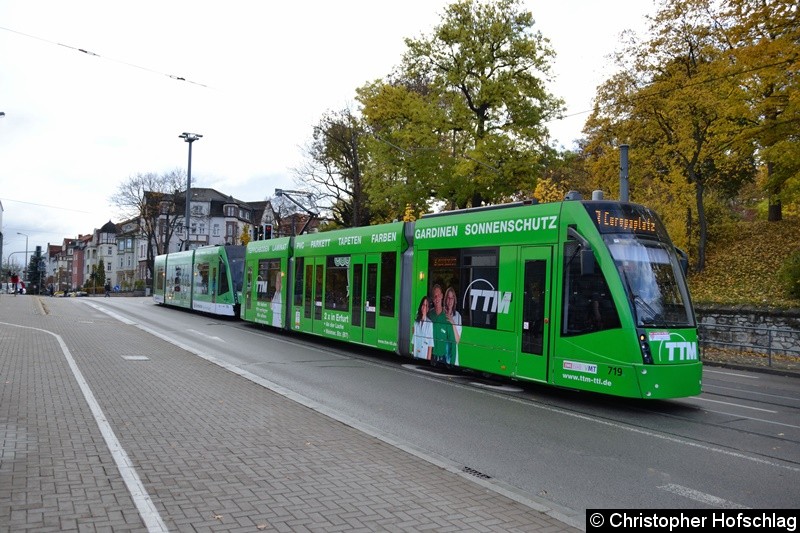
(189,138)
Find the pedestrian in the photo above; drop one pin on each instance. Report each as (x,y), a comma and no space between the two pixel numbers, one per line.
(14,282)
(108,289)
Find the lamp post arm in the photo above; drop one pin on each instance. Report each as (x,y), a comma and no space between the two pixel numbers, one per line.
(312,214)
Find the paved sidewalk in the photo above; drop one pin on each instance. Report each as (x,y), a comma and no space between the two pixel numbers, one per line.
(106,428)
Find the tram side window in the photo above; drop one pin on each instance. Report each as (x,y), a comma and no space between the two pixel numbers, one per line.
(319,272)
(223,277)
(588,304)
(309,294)
(471,275)
(201,279)
(268,271)
(336,289)
(298,282)
(160,279)
(388,283)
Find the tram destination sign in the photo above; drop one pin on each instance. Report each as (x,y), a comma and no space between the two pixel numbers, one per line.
(624,218)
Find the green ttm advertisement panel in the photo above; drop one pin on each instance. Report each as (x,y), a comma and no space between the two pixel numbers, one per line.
(346,284)
(490,227)
(265,287)
(482,283)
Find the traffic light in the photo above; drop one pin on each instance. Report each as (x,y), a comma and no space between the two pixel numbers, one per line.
(268,231)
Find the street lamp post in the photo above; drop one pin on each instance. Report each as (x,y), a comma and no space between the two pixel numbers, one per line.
(189,138)
(25,266)
(8,259)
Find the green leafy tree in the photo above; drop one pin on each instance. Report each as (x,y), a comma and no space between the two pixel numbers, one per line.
(97,278)
(406,142)
(473,93)
(100,273)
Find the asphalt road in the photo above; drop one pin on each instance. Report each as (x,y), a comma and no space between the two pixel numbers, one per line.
(735,446)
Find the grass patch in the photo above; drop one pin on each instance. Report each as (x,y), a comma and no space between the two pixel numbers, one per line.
(743,263)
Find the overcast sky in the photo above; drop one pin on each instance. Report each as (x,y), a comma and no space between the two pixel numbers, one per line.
(258,76)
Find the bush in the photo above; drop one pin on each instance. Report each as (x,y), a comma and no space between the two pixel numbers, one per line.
(790,275)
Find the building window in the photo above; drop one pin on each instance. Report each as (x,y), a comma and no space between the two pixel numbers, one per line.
(109,266)
(216,230)
(110,250)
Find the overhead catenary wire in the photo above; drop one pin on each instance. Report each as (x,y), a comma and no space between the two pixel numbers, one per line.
(94,54)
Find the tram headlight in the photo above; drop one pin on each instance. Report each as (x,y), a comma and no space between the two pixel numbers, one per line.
(647,357)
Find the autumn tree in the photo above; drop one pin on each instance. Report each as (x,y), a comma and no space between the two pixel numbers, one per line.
(763,38)
(152,199)
(675,104)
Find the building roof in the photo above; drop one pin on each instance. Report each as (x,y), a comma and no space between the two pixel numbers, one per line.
(109,227)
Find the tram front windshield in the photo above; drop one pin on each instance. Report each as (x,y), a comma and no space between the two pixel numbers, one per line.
(649,272)
(236,262)
(646,262)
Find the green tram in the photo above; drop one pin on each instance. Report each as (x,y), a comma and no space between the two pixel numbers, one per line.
(207,279)
(581,294)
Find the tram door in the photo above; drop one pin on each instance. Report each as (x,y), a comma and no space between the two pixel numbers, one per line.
(364,298)
(317,286)
(534,313)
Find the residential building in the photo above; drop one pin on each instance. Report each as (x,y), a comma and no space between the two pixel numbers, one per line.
(127,249)
(127,265)
(214,218)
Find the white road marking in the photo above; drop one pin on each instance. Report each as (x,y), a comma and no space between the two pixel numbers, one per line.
(701,497)
(752,418)
(506,388)
(752,392)
(729,373)
(142,500)
(212,337)
(736,405)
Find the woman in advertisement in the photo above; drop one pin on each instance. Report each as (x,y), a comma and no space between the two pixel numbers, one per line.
(422,335)
(454,319)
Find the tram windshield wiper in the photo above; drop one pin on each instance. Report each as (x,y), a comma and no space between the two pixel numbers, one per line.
(644,311)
